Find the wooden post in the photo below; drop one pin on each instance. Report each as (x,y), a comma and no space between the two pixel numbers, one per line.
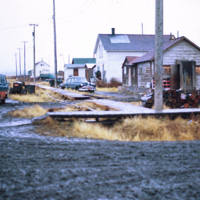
(55,43)
(158,95)
(34,70)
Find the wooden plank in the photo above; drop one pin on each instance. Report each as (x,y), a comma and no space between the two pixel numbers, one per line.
(122,114)
(71,95)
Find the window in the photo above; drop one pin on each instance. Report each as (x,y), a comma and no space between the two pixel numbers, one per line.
(167,70)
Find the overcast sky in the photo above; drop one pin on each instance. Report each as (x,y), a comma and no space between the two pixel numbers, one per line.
(80,21)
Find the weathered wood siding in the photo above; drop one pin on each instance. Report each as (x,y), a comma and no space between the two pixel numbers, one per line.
(144,75)
(182,51)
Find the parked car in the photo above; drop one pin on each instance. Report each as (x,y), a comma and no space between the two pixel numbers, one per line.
(78,83)
(4,86)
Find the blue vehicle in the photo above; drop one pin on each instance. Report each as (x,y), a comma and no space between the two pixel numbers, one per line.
(78,83)
(4,86)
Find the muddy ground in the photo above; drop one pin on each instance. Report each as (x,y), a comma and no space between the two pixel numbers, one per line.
(38,167)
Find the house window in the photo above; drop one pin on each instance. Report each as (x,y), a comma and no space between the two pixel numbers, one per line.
(75,73)
(167,69)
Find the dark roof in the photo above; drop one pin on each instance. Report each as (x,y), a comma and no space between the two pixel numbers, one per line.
(83,60)
(166,45)
(127,42)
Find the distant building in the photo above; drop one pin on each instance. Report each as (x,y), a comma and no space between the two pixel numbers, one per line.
(41,67)
(83,67)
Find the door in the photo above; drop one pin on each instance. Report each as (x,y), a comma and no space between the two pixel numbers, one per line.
(175,77)
(183,75)
(187,75)
(75,73)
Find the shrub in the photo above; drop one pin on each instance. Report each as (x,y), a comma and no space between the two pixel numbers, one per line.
(114,83)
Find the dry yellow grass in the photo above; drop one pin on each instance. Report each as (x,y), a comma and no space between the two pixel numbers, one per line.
(29,112)
(112,89)
(135,129)
(40,95)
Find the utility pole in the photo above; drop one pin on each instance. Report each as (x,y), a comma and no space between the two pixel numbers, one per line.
(158,96)
(16,64)
(24,60)
(34,25)
(20,70)
(142,29)
(55,47)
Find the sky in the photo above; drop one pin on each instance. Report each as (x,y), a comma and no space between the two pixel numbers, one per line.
(78,22)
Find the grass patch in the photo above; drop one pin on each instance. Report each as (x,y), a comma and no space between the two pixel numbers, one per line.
(135,129)
(41,95)
(29,112)
(107,89)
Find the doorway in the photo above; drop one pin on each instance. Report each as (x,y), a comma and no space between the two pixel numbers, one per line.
(183,75)
(75,72)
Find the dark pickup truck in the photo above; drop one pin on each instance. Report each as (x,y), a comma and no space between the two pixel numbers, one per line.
(4,86)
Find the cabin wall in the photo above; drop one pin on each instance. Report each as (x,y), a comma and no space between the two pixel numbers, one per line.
(144,73)
(186,52)
(182,51)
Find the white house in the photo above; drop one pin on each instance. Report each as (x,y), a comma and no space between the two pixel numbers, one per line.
(111,50)
(181,67)
(41,67)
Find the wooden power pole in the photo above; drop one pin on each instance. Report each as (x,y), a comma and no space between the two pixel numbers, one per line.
(158,95)
(34,25)
(16,65)
(20,67)
(24,60)
(55,45)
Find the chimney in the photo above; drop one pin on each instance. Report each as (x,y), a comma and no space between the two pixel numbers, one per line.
(113,31)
